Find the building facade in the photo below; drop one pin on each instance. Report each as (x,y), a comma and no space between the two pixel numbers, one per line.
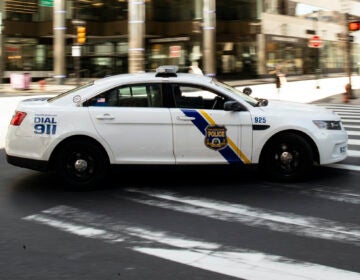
(237,38)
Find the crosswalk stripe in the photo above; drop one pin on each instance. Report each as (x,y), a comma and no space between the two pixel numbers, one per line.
(344,120)
(252,216)
(250,265)
(353,133)
(349,126)
(353,142)
(310,189)
(353,153)
(226,260)
(348,113)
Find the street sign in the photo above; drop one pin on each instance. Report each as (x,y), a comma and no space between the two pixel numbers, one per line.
(315,42)
(76,51)
(47,3)
(175,51)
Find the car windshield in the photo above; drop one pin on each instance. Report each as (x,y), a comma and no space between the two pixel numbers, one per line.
(252,101)
(70,91)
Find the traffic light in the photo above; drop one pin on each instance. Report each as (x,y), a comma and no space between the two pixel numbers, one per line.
(81,34)
(354,25)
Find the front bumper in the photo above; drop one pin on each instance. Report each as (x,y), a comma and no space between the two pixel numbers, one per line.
(333,146)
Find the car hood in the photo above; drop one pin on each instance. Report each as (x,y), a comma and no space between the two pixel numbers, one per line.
(302,109)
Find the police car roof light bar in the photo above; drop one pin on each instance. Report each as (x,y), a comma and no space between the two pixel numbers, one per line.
(167,71)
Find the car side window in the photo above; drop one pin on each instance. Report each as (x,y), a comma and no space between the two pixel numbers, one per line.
(133,96)
(195,97)
(144,95)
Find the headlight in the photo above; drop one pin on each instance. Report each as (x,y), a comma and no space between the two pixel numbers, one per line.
(333,125)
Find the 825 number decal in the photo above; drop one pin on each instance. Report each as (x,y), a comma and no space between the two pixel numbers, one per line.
(260,120)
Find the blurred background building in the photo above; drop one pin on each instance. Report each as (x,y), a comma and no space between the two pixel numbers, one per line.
(226,38)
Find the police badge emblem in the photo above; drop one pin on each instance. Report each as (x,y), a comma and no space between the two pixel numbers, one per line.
(215,137)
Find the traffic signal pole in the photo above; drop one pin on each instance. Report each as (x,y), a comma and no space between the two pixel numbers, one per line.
(351,26)
(59,41)
(79,40)
(348,87)
(2,59)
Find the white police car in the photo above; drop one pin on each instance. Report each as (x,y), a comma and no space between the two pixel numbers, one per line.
(169,118)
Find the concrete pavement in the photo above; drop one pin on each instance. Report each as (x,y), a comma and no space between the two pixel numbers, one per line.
(294,89)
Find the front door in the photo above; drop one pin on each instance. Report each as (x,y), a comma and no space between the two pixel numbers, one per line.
(204,132)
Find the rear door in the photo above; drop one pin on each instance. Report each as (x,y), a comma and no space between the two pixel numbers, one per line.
(133,122)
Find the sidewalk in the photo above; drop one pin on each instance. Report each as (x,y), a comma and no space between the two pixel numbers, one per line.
(307,91)
(304,91)
(6,90)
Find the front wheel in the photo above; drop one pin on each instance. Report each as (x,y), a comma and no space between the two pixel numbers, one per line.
(82,164)
(287,157)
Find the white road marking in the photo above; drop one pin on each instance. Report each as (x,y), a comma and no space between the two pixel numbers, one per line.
(235,262)
(336,194)
(252,216)
(348,126)
(85,224)
(345,111)
(353,142)
(353,153)
(251,265)
(349,120)
(353,133)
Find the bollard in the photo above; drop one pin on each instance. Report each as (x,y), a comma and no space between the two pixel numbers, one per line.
(42,84)
(347,93)
(277,81)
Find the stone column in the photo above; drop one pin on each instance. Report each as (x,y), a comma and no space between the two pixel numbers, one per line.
(136,30)
(59,41)
(209,37)
(2,43)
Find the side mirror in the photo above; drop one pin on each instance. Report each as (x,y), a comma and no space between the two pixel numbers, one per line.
(232,106)
(247,91)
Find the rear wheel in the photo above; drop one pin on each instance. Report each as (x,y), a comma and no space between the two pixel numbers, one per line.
(288,157)
(82,164)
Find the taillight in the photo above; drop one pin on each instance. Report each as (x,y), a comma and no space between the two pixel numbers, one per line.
(17,118)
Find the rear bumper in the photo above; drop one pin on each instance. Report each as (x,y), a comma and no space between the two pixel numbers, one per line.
(33,164)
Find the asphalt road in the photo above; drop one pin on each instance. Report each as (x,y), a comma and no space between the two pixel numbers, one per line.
(204,223)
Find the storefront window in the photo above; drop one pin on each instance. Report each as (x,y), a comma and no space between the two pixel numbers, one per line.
(104,11)
(169,52)
(239,10)
(173,10)
(21,54)
(285,54)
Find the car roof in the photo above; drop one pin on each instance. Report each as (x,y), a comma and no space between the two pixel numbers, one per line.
(152,77)
(103,84)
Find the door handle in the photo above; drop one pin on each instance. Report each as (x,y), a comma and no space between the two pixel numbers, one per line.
(184,118)
(105,117)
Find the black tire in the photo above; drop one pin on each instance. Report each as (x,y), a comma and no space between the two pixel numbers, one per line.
(287,158)
(82,164)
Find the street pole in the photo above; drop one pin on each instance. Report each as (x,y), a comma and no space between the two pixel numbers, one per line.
(136,26)
(59,41)
(209,33)
(348,54)
(2,59)
(76,47)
